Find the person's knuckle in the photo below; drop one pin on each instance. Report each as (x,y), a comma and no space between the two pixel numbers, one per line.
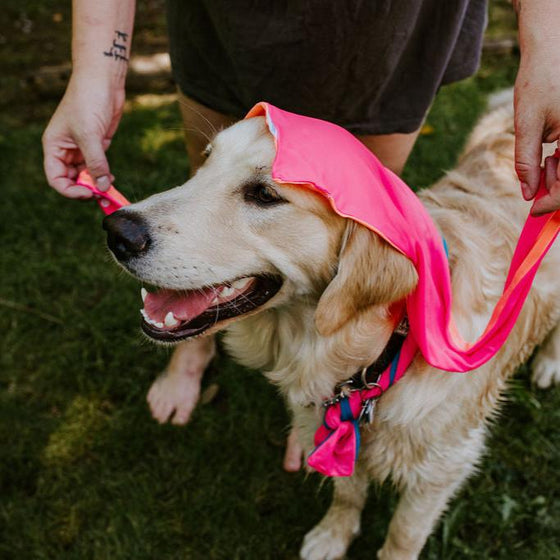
(83,135)
(526,118)
(522,167)
(96,164)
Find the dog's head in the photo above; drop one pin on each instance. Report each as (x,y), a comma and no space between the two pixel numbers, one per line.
(231,242)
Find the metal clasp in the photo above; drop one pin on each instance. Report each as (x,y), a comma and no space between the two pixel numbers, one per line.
(346,388)
(403,327)
(371,384)
(342,391)
(368,410)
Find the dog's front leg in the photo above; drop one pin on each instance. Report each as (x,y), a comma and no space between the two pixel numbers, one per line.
(174,394)
(330,539)
(417,512)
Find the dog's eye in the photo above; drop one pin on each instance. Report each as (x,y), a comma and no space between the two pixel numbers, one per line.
(265,194)
(207,151)
(262,194)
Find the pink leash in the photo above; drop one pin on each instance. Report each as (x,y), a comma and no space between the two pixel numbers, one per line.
(337,440)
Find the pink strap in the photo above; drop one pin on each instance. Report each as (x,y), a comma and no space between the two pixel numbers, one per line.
(109,201)
(336,446)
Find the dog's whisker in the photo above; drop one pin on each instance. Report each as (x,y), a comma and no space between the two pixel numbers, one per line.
(207,136)
(216,314)
(191,107)
(244,297)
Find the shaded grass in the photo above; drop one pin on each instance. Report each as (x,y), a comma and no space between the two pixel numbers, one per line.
(85,473)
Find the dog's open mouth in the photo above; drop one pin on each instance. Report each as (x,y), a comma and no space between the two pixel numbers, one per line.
(173,315)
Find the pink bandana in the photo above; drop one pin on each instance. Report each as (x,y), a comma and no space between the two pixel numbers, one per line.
(327,159)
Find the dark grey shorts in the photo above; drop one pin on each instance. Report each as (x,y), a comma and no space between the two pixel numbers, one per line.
(372,66)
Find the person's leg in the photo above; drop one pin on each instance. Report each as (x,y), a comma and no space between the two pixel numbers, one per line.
(174,394)
(391,149)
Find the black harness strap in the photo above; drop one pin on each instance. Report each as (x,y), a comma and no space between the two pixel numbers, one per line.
(367,378)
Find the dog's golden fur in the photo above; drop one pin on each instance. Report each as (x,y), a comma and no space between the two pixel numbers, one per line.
(332,315)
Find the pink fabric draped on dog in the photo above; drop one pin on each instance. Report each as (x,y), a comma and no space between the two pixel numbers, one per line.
(321,156)
(328,159)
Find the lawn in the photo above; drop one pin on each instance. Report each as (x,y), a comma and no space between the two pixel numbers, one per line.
(85,471)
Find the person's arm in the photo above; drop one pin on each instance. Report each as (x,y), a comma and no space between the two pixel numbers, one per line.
(83,125)
(537,98)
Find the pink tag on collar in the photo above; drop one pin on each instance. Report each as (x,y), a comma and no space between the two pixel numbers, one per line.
(109,201)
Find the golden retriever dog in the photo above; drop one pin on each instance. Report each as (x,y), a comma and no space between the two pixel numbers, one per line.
(304,296)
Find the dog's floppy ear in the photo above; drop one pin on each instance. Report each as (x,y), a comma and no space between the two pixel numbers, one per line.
(370,272)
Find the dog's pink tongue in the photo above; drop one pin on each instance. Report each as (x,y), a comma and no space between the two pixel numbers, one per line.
(184,305)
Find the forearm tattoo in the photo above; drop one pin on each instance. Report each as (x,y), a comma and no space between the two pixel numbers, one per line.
(119,48)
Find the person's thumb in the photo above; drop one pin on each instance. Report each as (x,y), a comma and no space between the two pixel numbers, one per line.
(528,154)
(96,163)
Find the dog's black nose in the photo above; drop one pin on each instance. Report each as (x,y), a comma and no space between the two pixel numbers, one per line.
(127,234)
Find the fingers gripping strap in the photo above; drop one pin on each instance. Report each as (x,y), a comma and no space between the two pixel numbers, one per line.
(109,201)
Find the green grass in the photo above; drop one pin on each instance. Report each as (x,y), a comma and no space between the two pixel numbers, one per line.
(85,473)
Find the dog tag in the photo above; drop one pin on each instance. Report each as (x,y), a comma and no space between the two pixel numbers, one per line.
(368,409)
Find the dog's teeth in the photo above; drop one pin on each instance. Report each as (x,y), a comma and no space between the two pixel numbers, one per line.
(241,283)
(143,293)
(215,301)
(150,321)
(227,291)
(147,318)
(170,320)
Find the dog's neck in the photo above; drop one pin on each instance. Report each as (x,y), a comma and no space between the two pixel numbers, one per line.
(306,366)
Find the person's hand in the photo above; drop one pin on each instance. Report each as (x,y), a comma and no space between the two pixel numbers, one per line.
(79,134)
(537,107)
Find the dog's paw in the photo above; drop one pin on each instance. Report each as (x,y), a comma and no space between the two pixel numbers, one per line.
(388,553)
(173,396)
(324,543)
(546,371)
(391,554)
